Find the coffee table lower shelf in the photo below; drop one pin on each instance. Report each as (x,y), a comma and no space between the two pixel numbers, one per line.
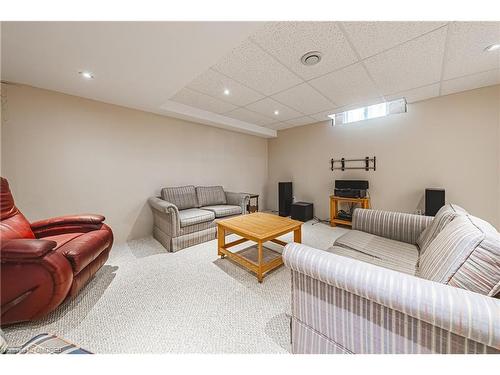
(249,257)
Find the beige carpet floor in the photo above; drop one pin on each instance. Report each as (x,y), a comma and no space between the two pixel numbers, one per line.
(145,300)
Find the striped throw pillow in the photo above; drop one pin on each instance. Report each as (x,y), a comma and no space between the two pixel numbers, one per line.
(444,216)
(450,250)
(480,273)
(182,196)
(210,195)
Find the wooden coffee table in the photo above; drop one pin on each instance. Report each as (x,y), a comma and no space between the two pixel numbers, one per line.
(258,227)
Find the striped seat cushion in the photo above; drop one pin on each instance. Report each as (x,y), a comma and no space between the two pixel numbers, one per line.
(182,196)
(380,251)
(450,250)
(444,216)
(194,216)
(210,195)
(223,210)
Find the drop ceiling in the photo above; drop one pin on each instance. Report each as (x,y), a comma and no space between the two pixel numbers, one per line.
(362,63)
(247,76)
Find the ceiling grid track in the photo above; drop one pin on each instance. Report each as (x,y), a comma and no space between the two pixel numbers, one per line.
(360,60)
(291,71)
(443,63)
(261,93)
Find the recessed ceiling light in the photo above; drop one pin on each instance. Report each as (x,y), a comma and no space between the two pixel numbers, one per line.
(311,58)
(226,92)
(492,47)
(276,112)
(86,75)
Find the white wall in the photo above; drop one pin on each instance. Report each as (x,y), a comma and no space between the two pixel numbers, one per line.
(63,154)
(451,142)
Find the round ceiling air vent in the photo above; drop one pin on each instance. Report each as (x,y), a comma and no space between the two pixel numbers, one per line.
(311,58)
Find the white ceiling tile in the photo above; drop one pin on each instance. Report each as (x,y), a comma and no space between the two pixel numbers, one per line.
(346,86)
(303,98)
(202,101)
(214,83)
(289,41)
(301,121)
(370,38)
(471,82)
(418,94)
(279,126)
(306,120)
(250,116)
(465,50)
(267,107)
(250,65)
(323,116)
(413,64)
(363,103)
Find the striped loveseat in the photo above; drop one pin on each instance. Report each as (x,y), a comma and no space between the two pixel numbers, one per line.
(399,283)
(186,215)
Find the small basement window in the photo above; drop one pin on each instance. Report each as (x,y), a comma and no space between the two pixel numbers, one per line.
(369,112)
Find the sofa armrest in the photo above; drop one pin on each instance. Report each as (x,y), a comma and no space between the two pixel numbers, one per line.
(169,214)
(66,224)
(459,311)
(397,226)
(19,250)
(238,199)
(69,219)
(34,280)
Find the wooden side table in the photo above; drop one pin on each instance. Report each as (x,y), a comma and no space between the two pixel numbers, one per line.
(334,207)
(253,207)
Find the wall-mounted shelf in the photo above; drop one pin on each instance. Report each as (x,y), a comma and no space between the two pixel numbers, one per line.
(370,163)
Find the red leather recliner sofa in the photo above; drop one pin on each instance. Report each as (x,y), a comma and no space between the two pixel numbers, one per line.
(47,261)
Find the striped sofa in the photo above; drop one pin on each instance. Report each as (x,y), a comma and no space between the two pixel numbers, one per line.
(186,215)
(399,283)
(42,344)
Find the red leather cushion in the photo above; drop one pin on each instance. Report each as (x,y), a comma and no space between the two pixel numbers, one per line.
(13,224)
(62,239)
(82,248)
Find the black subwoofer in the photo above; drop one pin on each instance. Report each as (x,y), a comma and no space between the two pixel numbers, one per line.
(302,211)
(285,198)
(434,200)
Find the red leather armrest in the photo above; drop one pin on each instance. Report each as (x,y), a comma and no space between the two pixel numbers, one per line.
(25,249)
(68,220)
(34,279)
(67,224)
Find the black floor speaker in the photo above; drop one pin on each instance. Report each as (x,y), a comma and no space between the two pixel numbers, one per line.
(434,200)
(285,198)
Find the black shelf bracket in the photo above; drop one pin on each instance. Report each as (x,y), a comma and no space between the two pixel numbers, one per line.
(369,163)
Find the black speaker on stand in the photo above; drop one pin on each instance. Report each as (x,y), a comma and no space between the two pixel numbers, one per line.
(285,198)
(434,200)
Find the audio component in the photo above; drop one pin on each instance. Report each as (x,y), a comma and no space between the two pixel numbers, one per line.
(302,211)
(351,188)
(434,200)
(285,198)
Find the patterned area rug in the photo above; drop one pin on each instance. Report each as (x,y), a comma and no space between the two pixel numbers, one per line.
(145,300)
